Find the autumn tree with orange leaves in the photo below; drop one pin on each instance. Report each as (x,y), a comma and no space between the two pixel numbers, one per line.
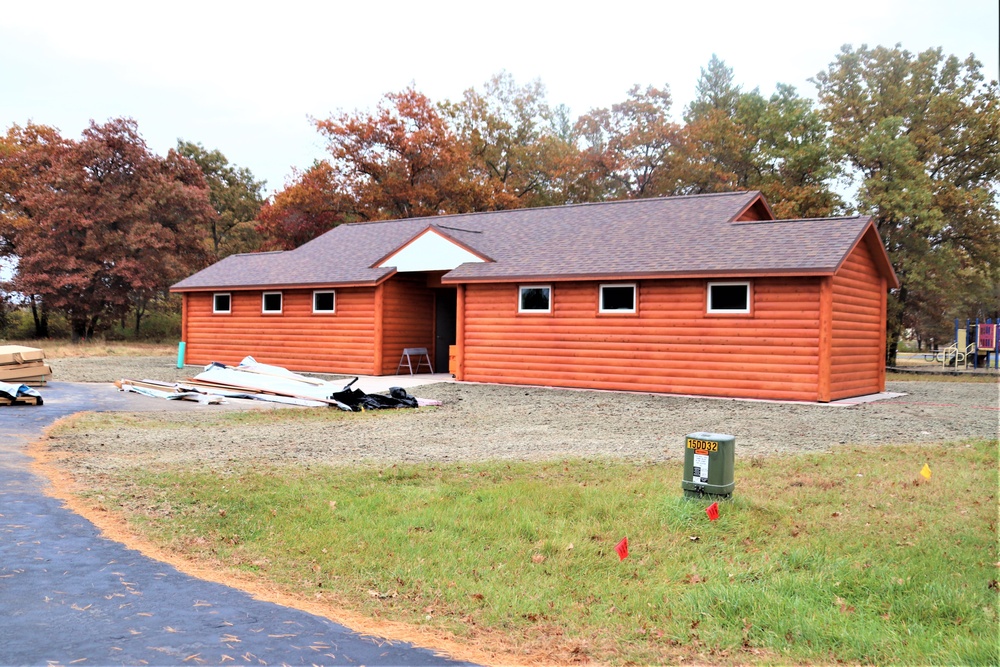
(309,206)
(631,148)
(401,161)
(519,150)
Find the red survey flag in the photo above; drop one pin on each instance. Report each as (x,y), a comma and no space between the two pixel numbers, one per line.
(712,511)
(622,549)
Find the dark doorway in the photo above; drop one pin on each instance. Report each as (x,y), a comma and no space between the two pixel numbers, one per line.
(446,312)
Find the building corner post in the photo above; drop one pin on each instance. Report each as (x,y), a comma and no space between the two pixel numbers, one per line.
(883,334)
(185,314)
(823,391)
(460,335)
(377,330)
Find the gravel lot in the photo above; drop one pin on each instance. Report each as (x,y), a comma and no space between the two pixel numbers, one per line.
(482,422)
(110,369)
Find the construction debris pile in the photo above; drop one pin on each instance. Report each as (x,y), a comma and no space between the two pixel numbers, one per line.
(19,394)
(23,365)
(262,382)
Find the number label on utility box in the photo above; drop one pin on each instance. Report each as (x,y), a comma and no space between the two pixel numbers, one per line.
(703,445)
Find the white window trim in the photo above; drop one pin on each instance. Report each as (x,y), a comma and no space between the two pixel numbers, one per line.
(741,311)
(612,311)
(520,292)
(222,312)
(272,312)
(324,291)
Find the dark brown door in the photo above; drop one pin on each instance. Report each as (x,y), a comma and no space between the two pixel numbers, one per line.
(446,309)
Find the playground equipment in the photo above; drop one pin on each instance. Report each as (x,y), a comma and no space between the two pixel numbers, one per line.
(984,342)
(959,351)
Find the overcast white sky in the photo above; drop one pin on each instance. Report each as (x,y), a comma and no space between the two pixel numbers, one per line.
(243,77)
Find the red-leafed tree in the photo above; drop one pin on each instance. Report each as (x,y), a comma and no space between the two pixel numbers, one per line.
(306,208)
(103,225)
(26,153)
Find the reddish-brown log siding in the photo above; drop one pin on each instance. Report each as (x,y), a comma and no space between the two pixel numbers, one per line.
(342,342)
(407,319)
(671,345)
(857,357)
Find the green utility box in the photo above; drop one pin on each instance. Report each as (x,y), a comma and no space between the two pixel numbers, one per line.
(708,465)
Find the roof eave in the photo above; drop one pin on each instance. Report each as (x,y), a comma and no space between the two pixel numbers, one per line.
(283,286)
(660,275)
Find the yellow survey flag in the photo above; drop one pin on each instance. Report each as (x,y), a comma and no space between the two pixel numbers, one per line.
(926,471)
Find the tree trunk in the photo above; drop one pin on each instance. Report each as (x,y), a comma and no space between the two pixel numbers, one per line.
(890,357)
(78,329)
(91,326)
(895,307)
(215,238)
(41,318)
(140,310)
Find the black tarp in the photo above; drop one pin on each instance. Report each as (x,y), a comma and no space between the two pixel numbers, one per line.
(358,400)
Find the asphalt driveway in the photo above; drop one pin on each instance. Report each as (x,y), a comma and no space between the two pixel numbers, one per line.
(70,596)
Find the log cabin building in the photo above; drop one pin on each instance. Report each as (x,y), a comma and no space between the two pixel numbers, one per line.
(704,294)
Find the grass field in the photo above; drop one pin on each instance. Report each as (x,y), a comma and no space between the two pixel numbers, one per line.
(848,556)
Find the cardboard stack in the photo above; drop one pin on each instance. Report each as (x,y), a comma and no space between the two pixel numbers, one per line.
(23,365)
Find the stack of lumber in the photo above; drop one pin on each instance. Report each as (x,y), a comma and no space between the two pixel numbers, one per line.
(23,365)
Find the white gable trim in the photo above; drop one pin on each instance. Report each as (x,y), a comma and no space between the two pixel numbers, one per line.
(429,251)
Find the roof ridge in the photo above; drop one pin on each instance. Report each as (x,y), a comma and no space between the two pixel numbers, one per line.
(826,219)
(257,253)
(549,208)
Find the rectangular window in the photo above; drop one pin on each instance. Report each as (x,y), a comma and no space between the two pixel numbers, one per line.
(324,302)
(729,297)
(534,299)
(271,303)
(221,302)
(617,298)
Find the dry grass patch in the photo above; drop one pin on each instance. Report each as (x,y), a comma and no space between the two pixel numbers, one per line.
(64,349)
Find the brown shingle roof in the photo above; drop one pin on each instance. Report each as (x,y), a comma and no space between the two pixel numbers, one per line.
(645,237)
